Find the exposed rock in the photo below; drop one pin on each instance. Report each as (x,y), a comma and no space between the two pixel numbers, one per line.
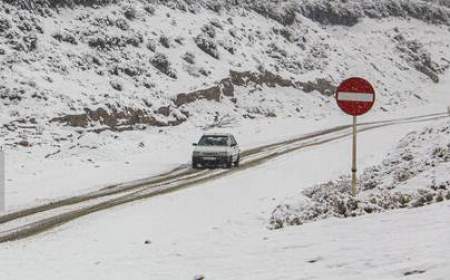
(210,94)
(165,111)
(113,118)
(323,86)
(227,87)
(267,78)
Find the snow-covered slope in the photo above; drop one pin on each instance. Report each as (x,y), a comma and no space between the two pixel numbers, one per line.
(415,173)
(68,67)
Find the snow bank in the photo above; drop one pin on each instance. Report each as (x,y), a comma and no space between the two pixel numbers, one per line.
(414,174)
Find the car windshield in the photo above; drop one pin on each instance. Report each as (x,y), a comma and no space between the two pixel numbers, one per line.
(212,140)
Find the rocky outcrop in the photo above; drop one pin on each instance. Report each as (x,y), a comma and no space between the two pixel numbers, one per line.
(211,94)
(226,86)
(266,78)
(113,118)
(323,86)
(118,120)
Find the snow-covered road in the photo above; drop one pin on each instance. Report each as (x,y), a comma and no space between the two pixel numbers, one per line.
(31,221)
(219,229)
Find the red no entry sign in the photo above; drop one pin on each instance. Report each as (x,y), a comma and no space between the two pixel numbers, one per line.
(355,96)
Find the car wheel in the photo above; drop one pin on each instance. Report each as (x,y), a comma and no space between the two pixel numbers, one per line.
(194,165)
(237,161)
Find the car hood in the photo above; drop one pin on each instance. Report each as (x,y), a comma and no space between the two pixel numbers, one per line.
(211,149)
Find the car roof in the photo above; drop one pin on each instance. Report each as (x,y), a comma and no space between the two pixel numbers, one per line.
(217,134)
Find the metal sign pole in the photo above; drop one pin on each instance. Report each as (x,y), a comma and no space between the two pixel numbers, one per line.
(355,96)
(354,158)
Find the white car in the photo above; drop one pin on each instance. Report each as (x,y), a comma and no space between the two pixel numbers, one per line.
(216,149)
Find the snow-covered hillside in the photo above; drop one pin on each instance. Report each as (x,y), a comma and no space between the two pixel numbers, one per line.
(68,67)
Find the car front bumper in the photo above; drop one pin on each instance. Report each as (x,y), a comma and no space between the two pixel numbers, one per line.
(210,160)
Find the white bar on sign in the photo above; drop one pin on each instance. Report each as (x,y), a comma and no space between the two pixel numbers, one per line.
(355,96)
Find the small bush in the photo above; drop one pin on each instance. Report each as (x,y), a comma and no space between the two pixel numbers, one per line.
(4,25)
(161,62)
(65,37)
(150,9)
(228,46)
(209,30)
(189,58)
(207,45)
(164,41)
(122,24)
(130,13)
(216,23)
(116,85)
(151,45)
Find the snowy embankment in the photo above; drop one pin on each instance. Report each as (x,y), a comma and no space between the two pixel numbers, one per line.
(415,173)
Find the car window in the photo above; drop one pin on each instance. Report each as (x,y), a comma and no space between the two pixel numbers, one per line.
(213,140)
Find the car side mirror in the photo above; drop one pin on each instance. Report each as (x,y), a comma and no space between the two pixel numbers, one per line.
(194,144)
(233,145)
